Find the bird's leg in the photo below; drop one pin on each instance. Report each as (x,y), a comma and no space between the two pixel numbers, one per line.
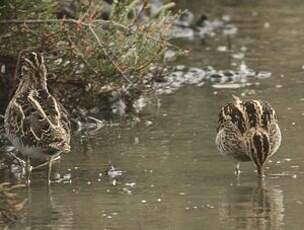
(50,171)
(46,163)
(260,171)
(28,170)
(237,170)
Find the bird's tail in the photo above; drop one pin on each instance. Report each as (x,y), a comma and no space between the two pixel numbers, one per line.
(258,146)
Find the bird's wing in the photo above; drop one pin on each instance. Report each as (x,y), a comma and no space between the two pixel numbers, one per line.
(275,137)
(34,116)
(231,140)
(49,114)
(19,115)
(234,114)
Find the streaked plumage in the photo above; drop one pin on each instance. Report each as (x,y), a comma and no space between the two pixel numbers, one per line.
(35,122)
(248,131)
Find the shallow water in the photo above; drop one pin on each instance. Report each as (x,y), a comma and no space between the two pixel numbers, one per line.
(172,177)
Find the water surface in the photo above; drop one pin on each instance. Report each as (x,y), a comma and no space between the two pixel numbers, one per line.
(172,175)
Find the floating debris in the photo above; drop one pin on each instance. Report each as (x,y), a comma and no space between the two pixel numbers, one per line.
(299,202)
(184,27)
(180,67)
(185,19)
(170,55)
(140,103)
(113,173)
(132,184)
(114,182)
(128,191)
(263,75)
(209,206)
(220,79)
(228,86)
(248,92)
(243,48)
(295,166)
(238,56)
(230,29)
(222,48)
(91,124)
(287,159)
(65,179)
(3,69)
(119,107)
(210,28)
(148,123)
(136,140)
(226,18)
(266,25)
(181,32)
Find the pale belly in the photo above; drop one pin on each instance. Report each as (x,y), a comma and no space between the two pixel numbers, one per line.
(33,151)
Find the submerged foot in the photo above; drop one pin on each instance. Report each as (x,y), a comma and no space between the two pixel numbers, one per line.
(260,172)
(237,170)
(29,169)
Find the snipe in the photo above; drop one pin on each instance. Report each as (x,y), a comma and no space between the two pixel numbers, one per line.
(248,131)
(35,122)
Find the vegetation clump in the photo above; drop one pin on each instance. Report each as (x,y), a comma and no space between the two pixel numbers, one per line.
(93,49)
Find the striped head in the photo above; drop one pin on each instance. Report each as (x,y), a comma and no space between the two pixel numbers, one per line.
(60,140)
(33,70)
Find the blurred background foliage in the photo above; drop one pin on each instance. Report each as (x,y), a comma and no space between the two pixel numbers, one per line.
(95,46)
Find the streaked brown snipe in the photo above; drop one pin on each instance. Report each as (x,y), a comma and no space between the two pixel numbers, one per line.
(248,131)
(35,122)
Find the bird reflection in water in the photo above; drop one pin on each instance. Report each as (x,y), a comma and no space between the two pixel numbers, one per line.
(46,209)
(252,206)
(45,206)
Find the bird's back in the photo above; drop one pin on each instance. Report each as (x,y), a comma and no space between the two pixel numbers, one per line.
(248,130)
